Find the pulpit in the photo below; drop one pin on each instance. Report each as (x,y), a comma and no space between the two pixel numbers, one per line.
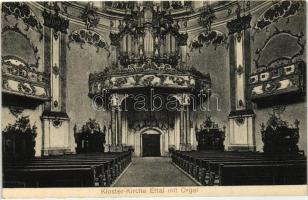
(90,138)
(210,136)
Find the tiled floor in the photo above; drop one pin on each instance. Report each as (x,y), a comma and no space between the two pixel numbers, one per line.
(154,171)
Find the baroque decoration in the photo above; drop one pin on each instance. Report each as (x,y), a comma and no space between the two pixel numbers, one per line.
(239,120)
(120,4)
(56,122)
(282,9)
(176,4)
(241,22)
(208,38)
(84,36)
(56,70)
(92,127)
(207,17)
(149,41)
(151,121)
(281,76)
(273,83)
(22,11)
(90,16)
(20,79)
(162,24)
(52,19)
(55,103)
(103,81)
(16,111)
(239,70)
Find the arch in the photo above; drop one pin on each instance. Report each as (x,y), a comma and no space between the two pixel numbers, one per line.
(141,131)
(289,58)
(24,20)
(283,9)
(23,11)
(34,49)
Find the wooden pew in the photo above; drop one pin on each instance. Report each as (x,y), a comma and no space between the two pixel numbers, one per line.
(215,168)
(118,161)
(55,177)
(263,174)
(195,162)
(204,166)
(99,168)
(85,170)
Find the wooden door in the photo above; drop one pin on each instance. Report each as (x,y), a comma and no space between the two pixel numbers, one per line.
(150,145)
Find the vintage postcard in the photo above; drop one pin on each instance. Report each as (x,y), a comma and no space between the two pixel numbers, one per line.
(153,98)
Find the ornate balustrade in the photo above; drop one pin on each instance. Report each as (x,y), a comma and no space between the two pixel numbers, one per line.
(176,5)
(150,75)
(273,83)
(18,78)
(120,4)
(173,5)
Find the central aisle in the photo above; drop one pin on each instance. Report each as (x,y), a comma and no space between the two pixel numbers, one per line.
(152,172)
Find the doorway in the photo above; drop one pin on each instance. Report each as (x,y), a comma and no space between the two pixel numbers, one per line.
(150,145)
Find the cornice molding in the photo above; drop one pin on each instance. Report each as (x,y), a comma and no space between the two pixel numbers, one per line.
(216,23)
(192,16)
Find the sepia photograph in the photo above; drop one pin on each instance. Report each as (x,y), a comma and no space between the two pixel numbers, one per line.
(153,97)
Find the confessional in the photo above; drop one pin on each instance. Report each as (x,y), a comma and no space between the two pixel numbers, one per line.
(90,138)
(278,138)
(210,136)
(18,140)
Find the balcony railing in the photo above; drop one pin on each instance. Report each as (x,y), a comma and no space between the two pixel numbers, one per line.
(271,84)
(20,79)
(151,75)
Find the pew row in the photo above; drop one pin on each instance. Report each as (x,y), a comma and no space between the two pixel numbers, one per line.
(82,170)
(242,168)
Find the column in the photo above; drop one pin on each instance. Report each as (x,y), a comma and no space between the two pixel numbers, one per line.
(188,134)
(184,56)
(119,127)
(113,126)
(182,130)
(116,127)
(124,127)
(241,117)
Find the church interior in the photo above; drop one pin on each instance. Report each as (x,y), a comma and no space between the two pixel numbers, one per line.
(95,94)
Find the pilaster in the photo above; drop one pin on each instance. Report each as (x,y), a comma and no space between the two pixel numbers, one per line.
(241,117)
(57,138)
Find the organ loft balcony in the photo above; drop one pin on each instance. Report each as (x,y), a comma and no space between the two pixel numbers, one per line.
(150,52)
